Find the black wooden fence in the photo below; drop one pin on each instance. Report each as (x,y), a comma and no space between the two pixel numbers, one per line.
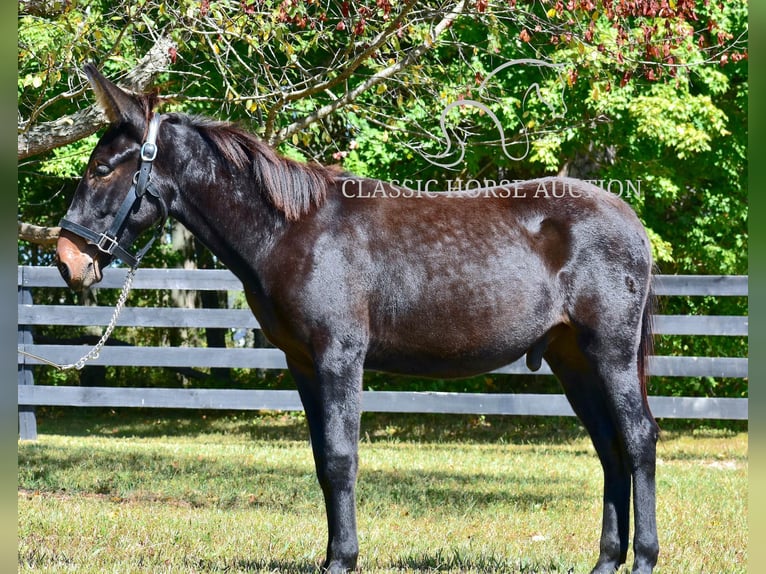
(30,395)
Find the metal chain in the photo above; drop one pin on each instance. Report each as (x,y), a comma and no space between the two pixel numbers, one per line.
(96,350)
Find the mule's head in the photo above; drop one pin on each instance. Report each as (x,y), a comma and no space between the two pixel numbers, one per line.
(107,181)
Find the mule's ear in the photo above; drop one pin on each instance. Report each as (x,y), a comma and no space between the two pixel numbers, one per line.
(118,104)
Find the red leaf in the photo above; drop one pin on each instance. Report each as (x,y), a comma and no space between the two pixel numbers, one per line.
(589,33)
(384,5)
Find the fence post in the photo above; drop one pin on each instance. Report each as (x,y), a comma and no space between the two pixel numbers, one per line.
(27,416)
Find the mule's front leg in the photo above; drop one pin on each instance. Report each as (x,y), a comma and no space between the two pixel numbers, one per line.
(332,400)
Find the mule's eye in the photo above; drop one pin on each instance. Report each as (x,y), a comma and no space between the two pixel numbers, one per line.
(102,170)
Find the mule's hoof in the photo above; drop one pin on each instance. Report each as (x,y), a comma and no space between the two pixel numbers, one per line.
(338,567)
(606,567)
(642,568)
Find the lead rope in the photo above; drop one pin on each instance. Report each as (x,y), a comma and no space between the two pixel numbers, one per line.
(96,350)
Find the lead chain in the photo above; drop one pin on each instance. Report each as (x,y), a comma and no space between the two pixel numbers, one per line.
(96,350)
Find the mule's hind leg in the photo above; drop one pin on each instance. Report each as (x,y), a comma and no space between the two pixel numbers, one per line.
(583,390)
(639,434)
(612,348)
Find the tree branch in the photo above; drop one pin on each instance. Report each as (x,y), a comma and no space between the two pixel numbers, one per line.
(43,137)
(359,59)
(45,8)
(373,80)
(37,234)
(314,86)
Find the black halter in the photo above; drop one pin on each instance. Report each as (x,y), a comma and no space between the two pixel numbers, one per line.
(106,241)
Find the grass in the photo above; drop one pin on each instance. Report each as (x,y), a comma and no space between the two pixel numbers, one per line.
(169,492)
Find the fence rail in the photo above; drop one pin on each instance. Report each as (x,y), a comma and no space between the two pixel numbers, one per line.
(79,316)
(31,315)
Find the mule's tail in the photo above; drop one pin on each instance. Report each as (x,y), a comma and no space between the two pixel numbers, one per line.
(646,344)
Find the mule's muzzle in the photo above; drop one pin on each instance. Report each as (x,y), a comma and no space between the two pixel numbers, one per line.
(77,261)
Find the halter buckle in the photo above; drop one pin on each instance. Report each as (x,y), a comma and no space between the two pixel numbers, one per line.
(148,151)
(107,243)
(149,147)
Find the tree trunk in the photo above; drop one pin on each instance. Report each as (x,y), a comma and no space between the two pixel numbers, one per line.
(215,338)
(182,241)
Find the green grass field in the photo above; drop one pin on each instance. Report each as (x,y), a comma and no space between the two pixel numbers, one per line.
(161,492)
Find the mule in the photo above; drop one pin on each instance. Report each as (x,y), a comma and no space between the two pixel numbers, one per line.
(346,273)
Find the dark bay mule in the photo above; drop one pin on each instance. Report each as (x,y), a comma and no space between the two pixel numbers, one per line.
(345,274)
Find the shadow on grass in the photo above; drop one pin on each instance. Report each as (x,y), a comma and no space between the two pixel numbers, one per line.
(268,482)
(264,565)
(291,426)
(420,428)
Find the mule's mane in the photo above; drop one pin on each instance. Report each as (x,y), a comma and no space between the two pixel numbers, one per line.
(294,188)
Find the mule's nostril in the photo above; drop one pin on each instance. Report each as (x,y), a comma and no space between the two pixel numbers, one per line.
(64,270)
